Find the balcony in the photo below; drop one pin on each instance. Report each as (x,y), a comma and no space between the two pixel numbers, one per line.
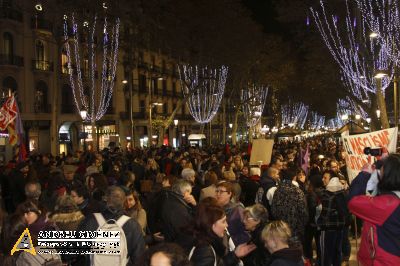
(11,60)
(41,24)
(42,65)
(67,109)
(42,108)
(11,14)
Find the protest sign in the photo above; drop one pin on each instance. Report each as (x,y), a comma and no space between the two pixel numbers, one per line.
(354,148)
(261,152)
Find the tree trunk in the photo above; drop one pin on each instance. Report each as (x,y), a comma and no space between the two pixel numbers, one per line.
(250,135)
(235,125)
(381,104)
(94,137)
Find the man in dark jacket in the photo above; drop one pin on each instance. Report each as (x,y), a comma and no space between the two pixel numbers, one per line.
(177,210)
(116,198)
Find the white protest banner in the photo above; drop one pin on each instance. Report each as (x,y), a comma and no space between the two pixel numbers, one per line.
(261,151)
(354,148)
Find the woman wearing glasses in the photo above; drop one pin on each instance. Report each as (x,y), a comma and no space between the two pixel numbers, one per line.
(255,218)
(234,212)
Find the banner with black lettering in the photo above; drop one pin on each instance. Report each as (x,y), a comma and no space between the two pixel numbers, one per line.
(354,148)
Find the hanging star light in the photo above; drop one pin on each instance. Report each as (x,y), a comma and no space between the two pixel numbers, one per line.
(97,99)
(294,114)
(253,99)
(383,21)
(204,88)
(358,56)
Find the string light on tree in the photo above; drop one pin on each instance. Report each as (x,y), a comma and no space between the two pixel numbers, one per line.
(204,88)
(357,55)
(294,114)
(97,98)
(317,121)
(253,99)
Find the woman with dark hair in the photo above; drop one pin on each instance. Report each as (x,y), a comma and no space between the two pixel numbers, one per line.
(209,232)
(97,185)
(165,254)
(134,209)
(381,214)
(37,220)
(13,227)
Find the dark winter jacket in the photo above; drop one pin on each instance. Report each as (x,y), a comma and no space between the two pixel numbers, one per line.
(249,190)
(132,230)
(175,214)
(289,205)
(380,236)
(206,254)
(234,217)
(266,183)
(291,256)
(334,211)
(260,256)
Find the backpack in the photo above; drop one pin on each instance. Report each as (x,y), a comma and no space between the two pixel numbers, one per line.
(120,259)
(215,255)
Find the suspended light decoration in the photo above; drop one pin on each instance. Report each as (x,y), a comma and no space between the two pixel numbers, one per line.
(348,107)
(97,98)
(383,21)
(358,56)
(253,99)
(317,121)
(335,123)
(204,88)
(294,114)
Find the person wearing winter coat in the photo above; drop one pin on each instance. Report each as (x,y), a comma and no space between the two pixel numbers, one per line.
(210,245)
(255,219)
(332,220)
(276,236)
(380,236)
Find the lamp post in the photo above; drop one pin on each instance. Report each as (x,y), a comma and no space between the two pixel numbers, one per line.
(176,121)
(83,114)
(151,104)
(381,100)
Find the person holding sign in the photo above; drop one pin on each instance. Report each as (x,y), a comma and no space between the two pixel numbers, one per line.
(380,237)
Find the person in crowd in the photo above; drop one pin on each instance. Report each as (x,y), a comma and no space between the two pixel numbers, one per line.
(332,219)
(97,185)
(250,186)
(234,212)
(314,190)
(229,175)
(255,219)
(276,236)
(380,214)
(133,209)
(179,202)
(66,215)
(35,219)
(210,181)
(190,175)
(69,177)
(80,196)
(268,184)
(17,180)
(33,190)
(151,169)
(289,204)
(115,198)
(127,180)
(43,168)
(301,179)
(209,231)
(164,254)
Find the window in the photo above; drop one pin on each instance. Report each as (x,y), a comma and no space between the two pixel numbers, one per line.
(142,83)
(141,57)
(8,45)
(39,50)
(155,86)
(142,106)
(173,88)
(163,65)
(9,83)
(40,104)
(64,61)
(67,100)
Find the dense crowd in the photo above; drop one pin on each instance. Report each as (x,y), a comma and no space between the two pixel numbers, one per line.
(206,206)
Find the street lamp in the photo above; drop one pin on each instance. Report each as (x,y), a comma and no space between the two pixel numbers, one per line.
(176,121)
(358,117)
(150,133)
(83,114)
(230,125)
(378,113)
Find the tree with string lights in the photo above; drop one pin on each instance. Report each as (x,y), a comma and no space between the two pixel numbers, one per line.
(361,59)
(253,100)
(95,100)
(294,114)
(316,121)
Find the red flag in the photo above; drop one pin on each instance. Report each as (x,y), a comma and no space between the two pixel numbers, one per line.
(8,112)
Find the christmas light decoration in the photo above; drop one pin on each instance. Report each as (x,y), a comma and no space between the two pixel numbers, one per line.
(253,99)
(97,99)
(358,56)
(294,114)
(317,121)
(204,88)
(383,21)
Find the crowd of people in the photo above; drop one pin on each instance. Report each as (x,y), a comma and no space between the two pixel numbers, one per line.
(205,206)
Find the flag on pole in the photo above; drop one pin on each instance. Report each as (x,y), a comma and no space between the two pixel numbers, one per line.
(304,159)
(8,112)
